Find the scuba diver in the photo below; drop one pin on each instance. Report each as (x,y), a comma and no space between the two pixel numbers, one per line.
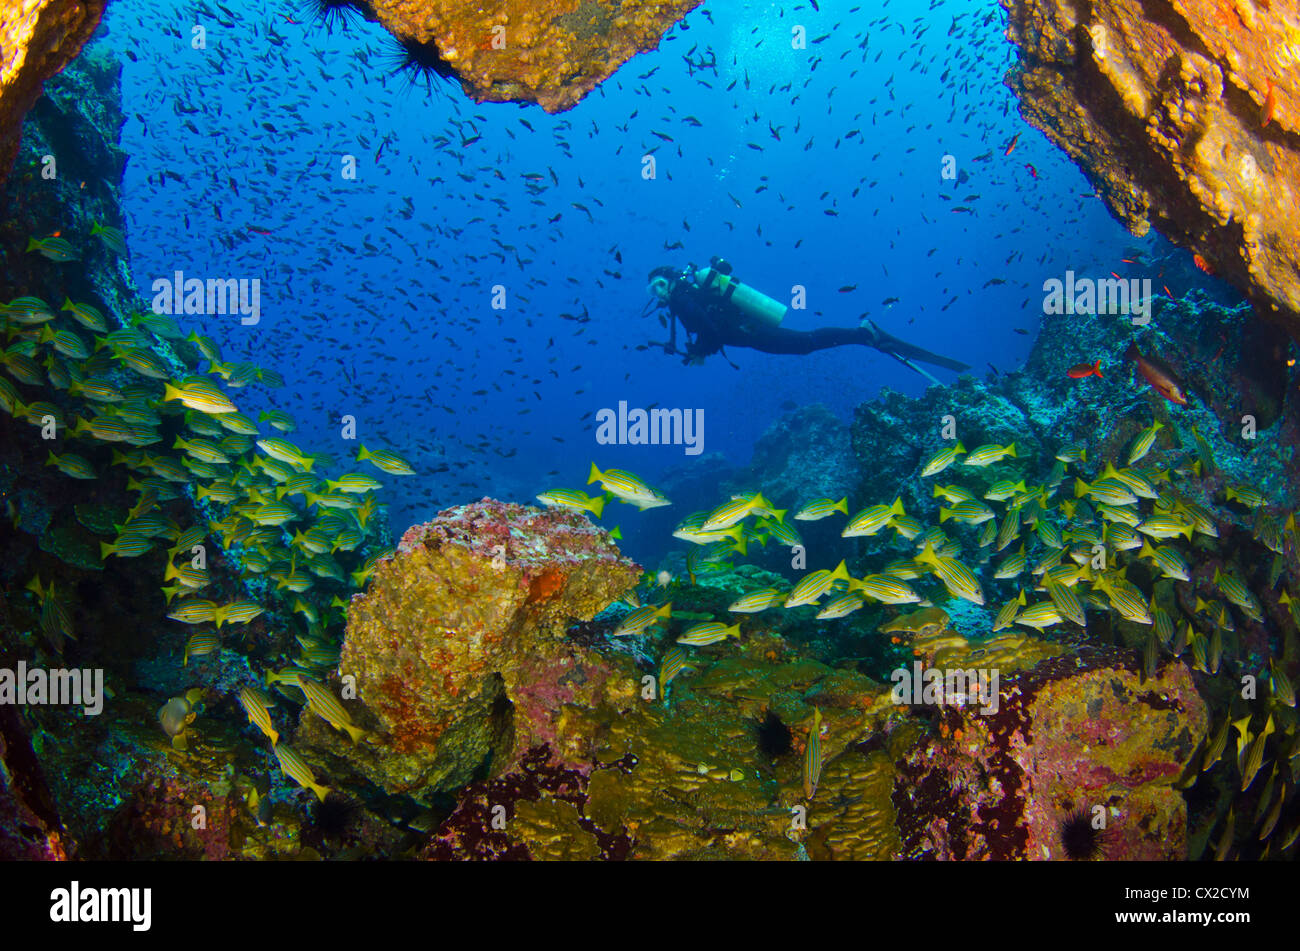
(717,311)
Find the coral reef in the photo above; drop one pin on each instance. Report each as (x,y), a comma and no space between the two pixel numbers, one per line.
(1229,364)
(690,777)
(456,647)
(1184,116)
(551,53)
(1078,732)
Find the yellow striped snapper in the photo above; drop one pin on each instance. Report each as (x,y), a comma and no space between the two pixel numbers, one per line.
(257,705)
(988,454)
(86,315)
(1119,515)
(131,545)
(333,500)
(1254,758)
(1012,566)
(65,342)
(1136,483)
(972,512)
(1268,532)
(1144,441)
(201,394)
(1001,491)
(673,663)
(1109,491)
(1022,500)
(885,589)
(871,520)
(709,632)
(953,494)
(1216,611)
(844,605)
(188,576)
(1169,560)
(1039,616)
(1067,605)
(322,701)
(1125,598)
(296,768)
(383,460)
(956,577)
(1165,526)
(628,487)
(27,310)
(942,460)
(1292,605)
(642,618)
(773,528)
(756,601)
(1283,691)
(571,499)
(1007,615)
(1009,530)
(692,530)
(816,584)
(286,452)
(1237,593)
(202,449)
(359,483)
(735,510)
(278,419)
(71,464)
(200,644)
(907,527)
(1049,534)
(821,508)
(1201,520)
(905,568)
(812,758)
(1247,495)
(237,612)
(1068,575)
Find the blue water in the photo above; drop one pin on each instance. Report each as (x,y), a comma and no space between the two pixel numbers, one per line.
(358,277)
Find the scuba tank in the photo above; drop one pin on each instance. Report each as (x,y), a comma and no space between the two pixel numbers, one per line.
(753,305)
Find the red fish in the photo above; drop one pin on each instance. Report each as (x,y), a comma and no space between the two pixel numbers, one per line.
(1203,264)
(1081,370)
(1159,376)
(1032,171)
(1270,104)
(1011,146)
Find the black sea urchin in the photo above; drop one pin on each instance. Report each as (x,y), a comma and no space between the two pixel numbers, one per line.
(1080,839)
(415,60)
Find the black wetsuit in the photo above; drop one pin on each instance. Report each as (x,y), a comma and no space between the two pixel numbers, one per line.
(714,323)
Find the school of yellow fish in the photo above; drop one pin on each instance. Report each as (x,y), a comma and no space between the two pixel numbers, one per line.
(296,539)
(1067,546)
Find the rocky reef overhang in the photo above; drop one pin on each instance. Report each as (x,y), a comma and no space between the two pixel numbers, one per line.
(550,52)
(1184,116)
(37,39)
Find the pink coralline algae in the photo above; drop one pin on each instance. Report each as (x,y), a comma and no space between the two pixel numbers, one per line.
(1078,734)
